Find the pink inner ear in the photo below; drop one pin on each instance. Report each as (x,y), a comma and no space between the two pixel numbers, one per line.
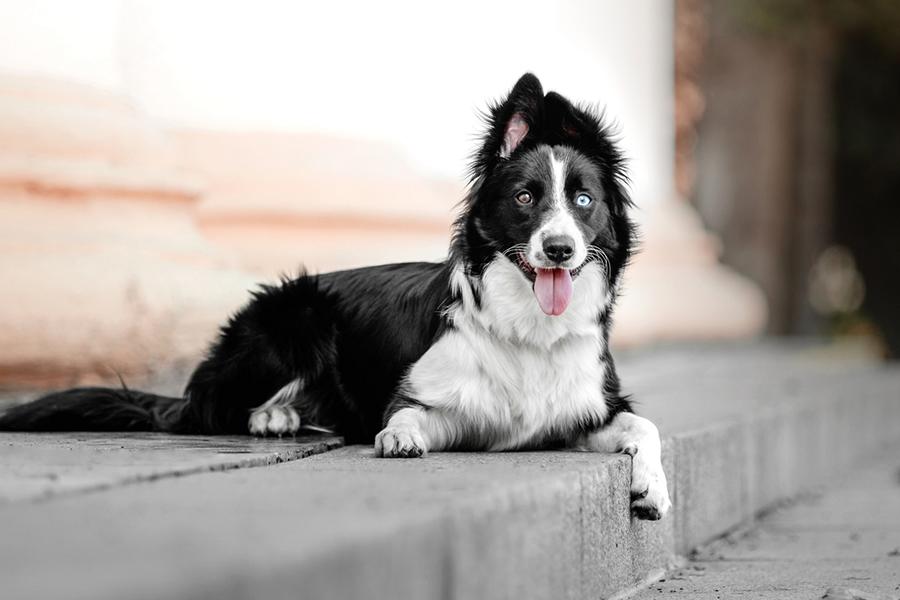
(516,130)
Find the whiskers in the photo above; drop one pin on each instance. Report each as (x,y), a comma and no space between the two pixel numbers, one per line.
(516,251)
(518,254)
(597,253)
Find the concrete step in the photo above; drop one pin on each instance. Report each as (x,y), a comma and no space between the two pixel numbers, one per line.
(840,543)
(36,466)
(744,427)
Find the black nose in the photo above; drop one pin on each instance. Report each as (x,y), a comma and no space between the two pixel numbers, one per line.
(559,248)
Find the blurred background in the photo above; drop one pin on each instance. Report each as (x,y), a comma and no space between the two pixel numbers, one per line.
(159,158)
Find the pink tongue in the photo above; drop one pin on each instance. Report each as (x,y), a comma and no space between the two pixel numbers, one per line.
(553,289)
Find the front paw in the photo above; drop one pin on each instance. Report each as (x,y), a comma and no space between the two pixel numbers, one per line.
(649,492)
(400,442)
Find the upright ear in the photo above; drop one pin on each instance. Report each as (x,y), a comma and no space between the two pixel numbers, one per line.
(516,129)
(565,124)
(513,121)
(581,128)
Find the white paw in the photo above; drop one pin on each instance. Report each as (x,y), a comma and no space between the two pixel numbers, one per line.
(274,420)
(400,442)
(649,492)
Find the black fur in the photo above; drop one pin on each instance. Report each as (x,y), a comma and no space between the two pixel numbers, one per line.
(487,225)
(352,335)
(96,409)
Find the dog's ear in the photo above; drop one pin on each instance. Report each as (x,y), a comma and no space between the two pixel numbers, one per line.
(580,128)
(514,121)
(516,129)
(565,124)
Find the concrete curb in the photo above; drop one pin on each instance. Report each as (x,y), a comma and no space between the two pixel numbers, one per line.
(42,466)
(726,474)
(517,525)
(570,535)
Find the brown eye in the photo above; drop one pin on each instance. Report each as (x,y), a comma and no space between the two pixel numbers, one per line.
(523,197)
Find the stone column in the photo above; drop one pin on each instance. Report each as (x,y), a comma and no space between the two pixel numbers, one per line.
(677,289)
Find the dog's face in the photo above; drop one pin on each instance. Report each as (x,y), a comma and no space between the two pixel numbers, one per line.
(547,194)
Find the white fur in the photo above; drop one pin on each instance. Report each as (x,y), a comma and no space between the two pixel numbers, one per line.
(558,174)
(508,375)
(510,311)
(559,221)
(403,436)
(277,416)
(638,437)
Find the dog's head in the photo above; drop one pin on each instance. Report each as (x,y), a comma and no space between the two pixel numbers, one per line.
(548,194)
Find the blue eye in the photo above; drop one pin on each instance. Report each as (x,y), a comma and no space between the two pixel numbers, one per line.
(583,200)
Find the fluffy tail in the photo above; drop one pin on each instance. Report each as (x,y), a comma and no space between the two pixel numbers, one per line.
(98,409)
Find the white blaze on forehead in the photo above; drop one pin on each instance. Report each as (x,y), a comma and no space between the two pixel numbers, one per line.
(559,220)
(558,174)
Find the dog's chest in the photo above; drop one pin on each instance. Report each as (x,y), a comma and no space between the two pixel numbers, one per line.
(501,395)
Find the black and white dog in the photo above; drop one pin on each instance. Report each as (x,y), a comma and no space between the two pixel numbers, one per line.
(503,346)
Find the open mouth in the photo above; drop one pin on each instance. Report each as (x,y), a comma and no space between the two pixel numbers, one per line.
(552,287)
(530,271)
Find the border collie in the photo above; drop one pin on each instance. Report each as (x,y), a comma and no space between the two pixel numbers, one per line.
(503,346)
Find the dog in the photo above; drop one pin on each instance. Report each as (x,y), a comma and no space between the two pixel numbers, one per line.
(503,346)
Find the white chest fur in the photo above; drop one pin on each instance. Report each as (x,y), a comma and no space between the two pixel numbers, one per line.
(507,375)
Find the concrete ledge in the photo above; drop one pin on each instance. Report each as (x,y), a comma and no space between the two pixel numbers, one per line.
(41,466)
(748,428)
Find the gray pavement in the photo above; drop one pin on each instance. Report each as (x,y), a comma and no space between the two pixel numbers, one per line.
(840,543)
(180,517)
(43,465)
(684,388)
(338,525)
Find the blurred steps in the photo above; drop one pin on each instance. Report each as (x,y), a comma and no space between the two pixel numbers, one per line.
(838,544)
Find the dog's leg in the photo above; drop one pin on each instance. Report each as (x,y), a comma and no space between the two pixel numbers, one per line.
(274,357)
(412,431)
(639,438)
(278,415)
(403,436)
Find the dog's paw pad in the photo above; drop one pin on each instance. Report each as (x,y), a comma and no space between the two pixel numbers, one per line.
(274,420)
(637,495)
(648,513)
(630,450)
(399,442)
(652,505)
(649,493)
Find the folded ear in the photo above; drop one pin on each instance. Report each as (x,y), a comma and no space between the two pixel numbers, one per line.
(514,121)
